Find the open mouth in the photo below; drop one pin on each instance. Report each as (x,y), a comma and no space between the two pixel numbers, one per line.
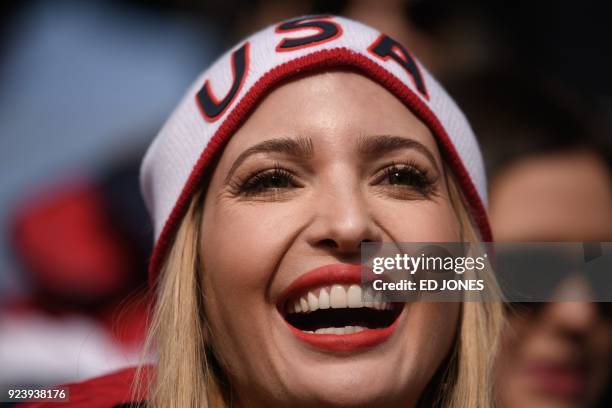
(338,309)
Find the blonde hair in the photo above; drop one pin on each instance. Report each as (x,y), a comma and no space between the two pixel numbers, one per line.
(186,374)
(480,328)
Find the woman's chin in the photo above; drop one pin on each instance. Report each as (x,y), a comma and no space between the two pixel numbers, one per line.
(350,386)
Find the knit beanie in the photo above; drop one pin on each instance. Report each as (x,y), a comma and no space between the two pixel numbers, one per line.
(223,97)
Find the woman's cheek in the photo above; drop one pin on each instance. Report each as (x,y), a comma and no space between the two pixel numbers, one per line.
(246,242)
(423,221)
(240,250)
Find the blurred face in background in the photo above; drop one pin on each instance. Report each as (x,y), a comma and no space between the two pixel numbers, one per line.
(554,354)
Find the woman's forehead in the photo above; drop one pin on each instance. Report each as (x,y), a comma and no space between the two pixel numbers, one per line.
(332,110)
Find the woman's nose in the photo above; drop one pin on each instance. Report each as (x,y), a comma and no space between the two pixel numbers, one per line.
(342,220)
(577,318)
(573,317)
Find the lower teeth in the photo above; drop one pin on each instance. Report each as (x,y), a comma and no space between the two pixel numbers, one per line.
(337,330)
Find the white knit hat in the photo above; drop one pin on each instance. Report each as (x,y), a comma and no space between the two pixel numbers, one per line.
(222,98)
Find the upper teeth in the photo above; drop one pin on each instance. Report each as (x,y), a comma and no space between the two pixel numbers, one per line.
(336,296)
(338,330)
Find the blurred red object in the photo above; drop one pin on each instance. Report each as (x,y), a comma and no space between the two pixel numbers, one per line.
(67,245)
(79,250)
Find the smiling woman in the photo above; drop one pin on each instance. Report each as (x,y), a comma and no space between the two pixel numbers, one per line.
(306,216)
(259,297)
(329,135)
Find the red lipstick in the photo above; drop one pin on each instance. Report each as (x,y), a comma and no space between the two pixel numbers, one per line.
(326,276)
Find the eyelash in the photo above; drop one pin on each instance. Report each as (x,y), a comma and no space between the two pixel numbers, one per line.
(254,184)
(415,176)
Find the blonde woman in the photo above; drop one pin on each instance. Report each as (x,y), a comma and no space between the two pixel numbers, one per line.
(304,141)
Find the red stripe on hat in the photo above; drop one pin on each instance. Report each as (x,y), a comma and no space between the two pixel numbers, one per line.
(317,61)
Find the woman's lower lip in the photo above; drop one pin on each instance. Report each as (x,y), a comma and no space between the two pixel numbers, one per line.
(563,382)
(346,342)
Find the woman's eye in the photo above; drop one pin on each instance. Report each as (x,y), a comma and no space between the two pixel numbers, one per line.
(407,176)
(267,181)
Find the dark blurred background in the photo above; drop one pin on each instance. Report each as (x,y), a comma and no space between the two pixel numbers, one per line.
(85,85)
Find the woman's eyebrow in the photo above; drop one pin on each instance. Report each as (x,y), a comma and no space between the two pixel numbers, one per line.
(382,144)
(301,147)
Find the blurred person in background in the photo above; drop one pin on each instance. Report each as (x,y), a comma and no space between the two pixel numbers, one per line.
(555,354)
(552,181)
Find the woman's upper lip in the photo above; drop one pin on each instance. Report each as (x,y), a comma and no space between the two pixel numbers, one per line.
(321,276)
(571,365)
(564,378)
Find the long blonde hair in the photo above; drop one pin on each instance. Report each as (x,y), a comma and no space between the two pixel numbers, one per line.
(187,374)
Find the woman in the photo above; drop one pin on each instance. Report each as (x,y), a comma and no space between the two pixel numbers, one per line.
(556,354)
(306,140)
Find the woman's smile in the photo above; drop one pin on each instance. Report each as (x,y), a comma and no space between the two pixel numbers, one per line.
(325,308)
